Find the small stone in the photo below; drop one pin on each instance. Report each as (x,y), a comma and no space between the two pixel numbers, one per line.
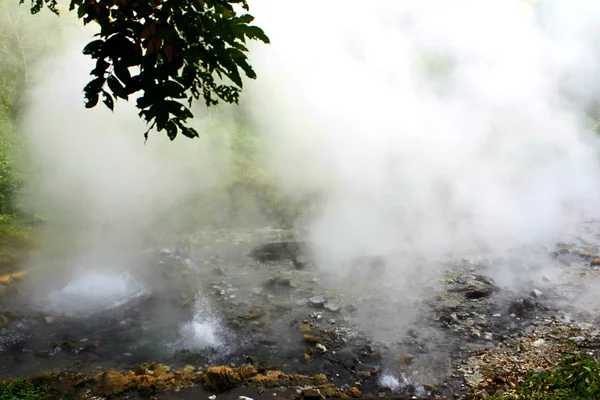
(406,358)
(497,315)
(245,398)
(212,397)
(466,279)
(317,301)
(528,305)
(536,293)
(355,392)
(317,316)
(277,283)
(538,343)
(311,394)
(516,307)
(579,340)
(4,321)
(595,263)
(545,278)
(333,307)
(49,320)
(255,313)
(320,348)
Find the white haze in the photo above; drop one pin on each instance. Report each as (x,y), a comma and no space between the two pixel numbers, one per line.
(409,163)
(494,153)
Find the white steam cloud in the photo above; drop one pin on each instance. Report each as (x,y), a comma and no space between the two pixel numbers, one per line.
(433,127)
(427,128)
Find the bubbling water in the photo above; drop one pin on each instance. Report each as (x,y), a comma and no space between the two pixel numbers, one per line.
(95,291)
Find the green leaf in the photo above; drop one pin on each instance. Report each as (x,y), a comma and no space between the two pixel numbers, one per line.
(245,18)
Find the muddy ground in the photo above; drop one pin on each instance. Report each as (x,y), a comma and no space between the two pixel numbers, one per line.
(254,303)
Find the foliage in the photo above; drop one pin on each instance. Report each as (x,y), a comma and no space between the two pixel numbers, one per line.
(577,378)
(19,389)
(177,49)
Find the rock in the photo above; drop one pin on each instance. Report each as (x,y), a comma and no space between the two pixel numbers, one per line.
(333,307)
(245,398)
(277,251)
(317,301)
(111,383)
(255,313)
(320,348)
(536,293)
(579,340)
(68,346)
(591,249)
(92,346)
(49,320)
(466,279)
(476,292)
(300,262)
(516,307)
(4,321)
(528,305)
(474,287)
(213,397)
(538,343)
(277,283)
(313,339)
(406,358)
(220,378)
(595,263)
(311,394)
(545,278)
(355,392)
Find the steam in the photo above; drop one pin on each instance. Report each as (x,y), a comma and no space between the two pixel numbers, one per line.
(432,127)
(425,129)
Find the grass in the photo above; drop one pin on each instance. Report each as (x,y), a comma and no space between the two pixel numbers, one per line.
(576,378)
(19,389)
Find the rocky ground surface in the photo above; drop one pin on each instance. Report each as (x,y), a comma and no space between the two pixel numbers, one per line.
(247,314)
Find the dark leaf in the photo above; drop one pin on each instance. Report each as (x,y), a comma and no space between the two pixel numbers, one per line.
(91,100)
(189,132)
(254,32)
(174,90)
(101,67)
(116,87)
(171,129)
(122,72)
(108,100)
(95,85)
(245,19)
(93,48)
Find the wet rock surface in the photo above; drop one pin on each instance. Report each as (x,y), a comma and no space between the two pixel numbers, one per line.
(258,320)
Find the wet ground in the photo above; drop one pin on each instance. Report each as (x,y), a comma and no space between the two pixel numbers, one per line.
(255,298)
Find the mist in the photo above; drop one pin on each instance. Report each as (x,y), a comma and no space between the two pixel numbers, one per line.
(431,127)
(424,130)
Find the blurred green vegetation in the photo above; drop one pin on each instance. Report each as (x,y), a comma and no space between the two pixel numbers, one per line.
(21,43)
(19,389)
(576,378)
